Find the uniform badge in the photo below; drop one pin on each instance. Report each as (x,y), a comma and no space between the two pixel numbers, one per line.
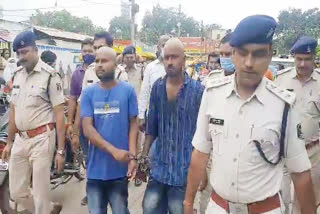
(309,49)
(216,121)
(270,33)
(89,81)
(106,107)
(22,43)
(59,87)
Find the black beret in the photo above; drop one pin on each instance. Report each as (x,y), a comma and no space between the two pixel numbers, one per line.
(304,45)
(257,29)
(24,39)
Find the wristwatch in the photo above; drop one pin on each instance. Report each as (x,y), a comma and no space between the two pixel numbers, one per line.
(61,152)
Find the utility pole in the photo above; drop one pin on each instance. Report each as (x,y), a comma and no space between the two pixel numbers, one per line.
(179,22)
(134,10)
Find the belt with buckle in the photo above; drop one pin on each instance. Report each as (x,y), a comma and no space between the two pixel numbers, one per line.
(37,131)
(312,144)
(260,207)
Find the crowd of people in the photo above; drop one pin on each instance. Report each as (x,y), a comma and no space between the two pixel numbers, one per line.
(236,137)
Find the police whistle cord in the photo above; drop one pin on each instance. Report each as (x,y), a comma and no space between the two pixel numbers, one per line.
(282,138)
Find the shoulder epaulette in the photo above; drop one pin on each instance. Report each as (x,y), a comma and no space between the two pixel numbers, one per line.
(92,65)
(283,94)
(284,71)
(216,71)
(20,68)
(217,82)
(49,70)
(121,68)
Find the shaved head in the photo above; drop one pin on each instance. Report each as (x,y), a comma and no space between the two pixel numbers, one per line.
(176,44)
(108,52)
(105,63)
(174,58)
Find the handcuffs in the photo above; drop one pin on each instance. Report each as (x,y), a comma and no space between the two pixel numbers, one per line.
(143,167)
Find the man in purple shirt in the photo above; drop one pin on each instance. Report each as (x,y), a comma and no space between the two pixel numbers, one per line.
(73,131)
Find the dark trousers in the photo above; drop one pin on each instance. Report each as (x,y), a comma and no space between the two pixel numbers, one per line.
(161,198)
(101,193)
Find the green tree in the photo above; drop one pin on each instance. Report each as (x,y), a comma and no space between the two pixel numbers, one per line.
(294,23)
(63,20)
(120,27)
(165,21)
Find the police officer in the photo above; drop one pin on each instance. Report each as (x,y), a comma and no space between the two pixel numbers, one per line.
(36,109)
(249,148)
(132,68)
(225,60)
(304,80)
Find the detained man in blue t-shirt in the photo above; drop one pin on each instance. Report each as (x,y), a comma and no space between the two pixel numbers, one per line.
(109,112)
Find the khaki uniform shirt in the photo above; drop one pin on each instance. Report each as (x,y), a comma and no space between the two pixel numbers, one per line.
(213,75)
(135,76)
(34,96)
(90,77)
(228,125)
(307,98)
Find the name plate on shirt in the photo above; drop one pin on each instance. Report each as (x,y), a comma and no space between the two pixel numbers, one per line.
(107,107)
(4,166)
(216,121)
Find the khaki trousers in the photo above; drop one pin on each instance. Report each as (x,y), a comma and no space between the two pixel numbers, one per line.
(32,156)
(205,195)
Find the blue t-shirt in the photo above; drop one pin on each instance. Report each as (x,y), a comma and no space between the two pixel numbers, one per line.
(111,110)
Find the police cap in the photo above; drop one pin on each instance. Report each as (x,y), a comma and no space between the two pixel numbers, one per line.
(257,29)
(24,39)
(129,50)
(304,45)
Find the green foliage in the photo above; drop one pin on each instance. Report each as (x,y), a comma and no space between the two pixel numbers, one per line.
(120,27)
(318,51)
(165,21)
(294,23)
(63,20)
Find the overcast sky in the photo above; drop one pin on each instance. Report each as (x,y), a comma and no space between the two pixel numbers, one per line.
(224,12)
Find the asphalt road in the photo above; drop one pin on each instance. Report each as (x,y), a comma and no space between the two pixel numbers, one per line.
(71,194)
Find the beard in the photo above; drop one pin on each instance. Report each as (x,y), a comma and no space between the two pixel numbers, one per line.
(173,72)
(106,76)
